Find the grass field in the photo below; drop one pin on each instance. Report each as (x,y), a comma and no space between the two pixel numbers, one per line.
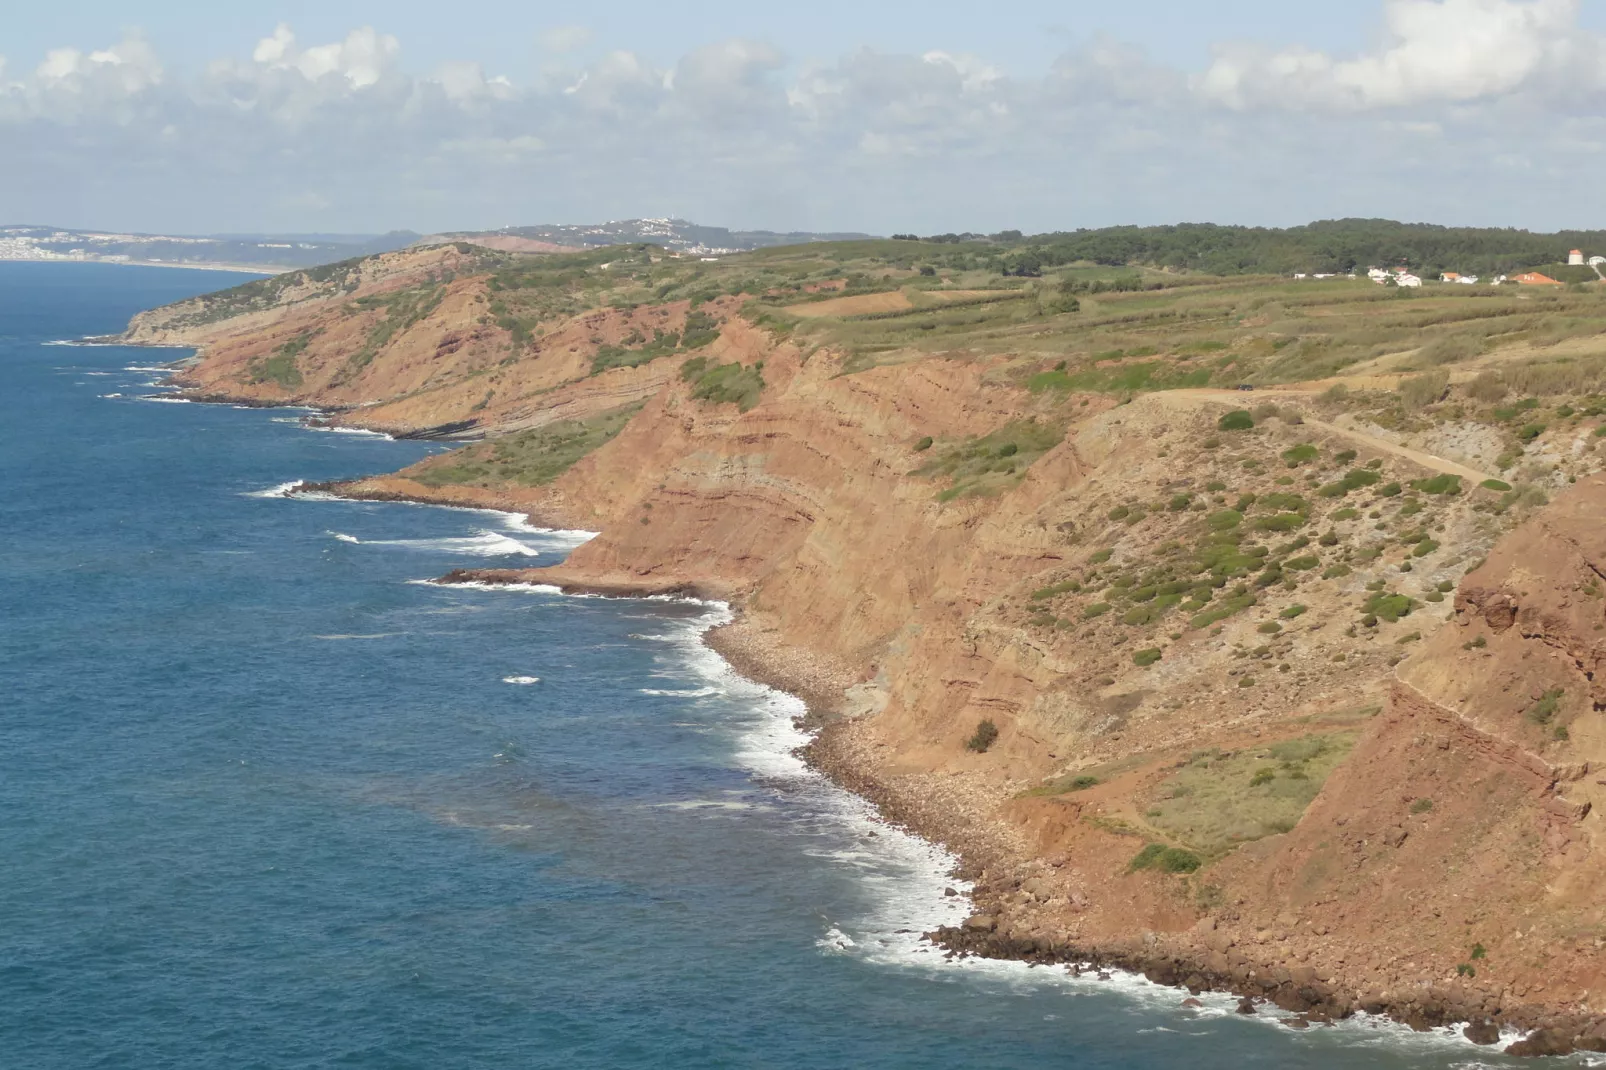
(529,458)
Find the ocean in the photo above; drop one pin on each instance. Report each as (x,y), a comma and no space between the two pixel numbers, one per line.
(270,799)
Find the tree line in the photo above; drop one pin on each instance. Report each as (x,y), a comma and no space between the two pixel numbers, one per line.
(1338,246)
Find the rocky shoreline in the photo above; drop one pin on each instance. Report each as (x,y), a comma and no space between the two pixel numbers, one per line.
(1203,960)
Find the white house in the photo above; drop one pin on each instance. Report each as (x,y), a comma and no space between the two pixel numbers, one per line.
(1468,280)
(1377,275)
(1575,258)
(1405,278)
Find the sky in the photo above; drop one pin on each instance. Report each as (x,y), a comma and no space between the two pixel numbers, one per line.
(881,116)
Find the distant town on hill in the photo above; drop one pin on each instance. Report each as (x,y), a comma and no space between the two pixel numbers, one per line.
(1327,247)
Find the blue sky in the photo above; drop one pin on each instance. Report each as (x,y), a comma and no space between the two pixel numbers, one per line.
(1022,37)
(879,116)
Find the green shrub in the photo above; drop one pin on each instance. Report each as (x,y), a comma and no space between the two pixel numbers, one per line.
(724,384)
(1279,522)
(1389,490)
(1495,484)
(1301,454)
(1236,420)
(1101,557)
(1283,501)
(1224,520)
(1337,572)
(1097,609)
(1120,512)
(1389,607)
(1439,484)
(1302,564)
(1423,548)
(1292,611)
(1347,513)
(1144,658)
(1179,502)
(984,737)
(1271,627)
(1264,775)
(1082,783)
(923,445)
(1344,456)
(1165,859)
(1542,711)
(1354,479)
(1529,432)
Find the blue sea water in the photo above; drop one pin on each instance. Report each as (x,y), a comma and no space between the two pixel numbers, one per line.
(266,800)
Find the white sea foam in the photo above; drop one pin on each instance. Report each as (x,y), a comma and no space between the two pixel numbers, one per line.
(166,399)
(522,680)
(110,395)
(478,585)
(484,544)
(343,430)
(282,490)
(378,635)
(700,692)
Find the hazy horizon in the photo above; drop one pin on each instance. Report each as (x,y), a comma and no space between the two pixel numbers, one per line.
(365,118)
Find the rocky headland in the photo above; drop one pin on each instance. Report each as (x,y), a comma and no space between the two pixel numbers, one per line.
(1270,692)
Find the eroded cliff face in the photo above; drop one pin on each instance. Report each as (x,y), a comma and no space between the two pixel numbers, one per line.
(1187,637)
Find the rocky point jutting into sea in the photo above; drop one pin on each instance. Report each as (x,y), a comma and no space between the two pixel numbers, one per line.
(1288,692)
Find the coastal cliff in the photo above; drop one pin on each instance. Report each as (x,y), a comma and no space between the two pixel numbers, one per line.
(1294,699)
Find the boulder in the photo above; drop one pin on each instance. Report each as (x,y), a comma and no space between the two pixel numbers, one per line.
(1542,1042)
(1482,1032)
(981,923)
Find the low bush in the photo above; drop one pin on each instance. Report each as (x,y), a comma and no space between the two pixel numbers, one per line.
(1144,658)
(1389,607)
(724,384)
(1439,484)
(1354,479)
(1236,420)
(986,734)
(1542,711)
(1301,454)
(1165,859)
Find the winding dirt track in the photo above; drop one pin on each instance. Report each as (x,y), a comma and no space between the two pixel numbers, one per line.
(1235,399)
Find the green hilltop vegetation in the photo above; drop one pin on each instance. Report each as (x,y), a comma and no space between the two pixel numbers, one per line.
(1117,311)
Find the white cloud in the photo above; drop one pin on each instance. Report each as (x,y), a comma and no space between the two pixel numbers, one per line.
(362,59)
(942,140)
(1435,51)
